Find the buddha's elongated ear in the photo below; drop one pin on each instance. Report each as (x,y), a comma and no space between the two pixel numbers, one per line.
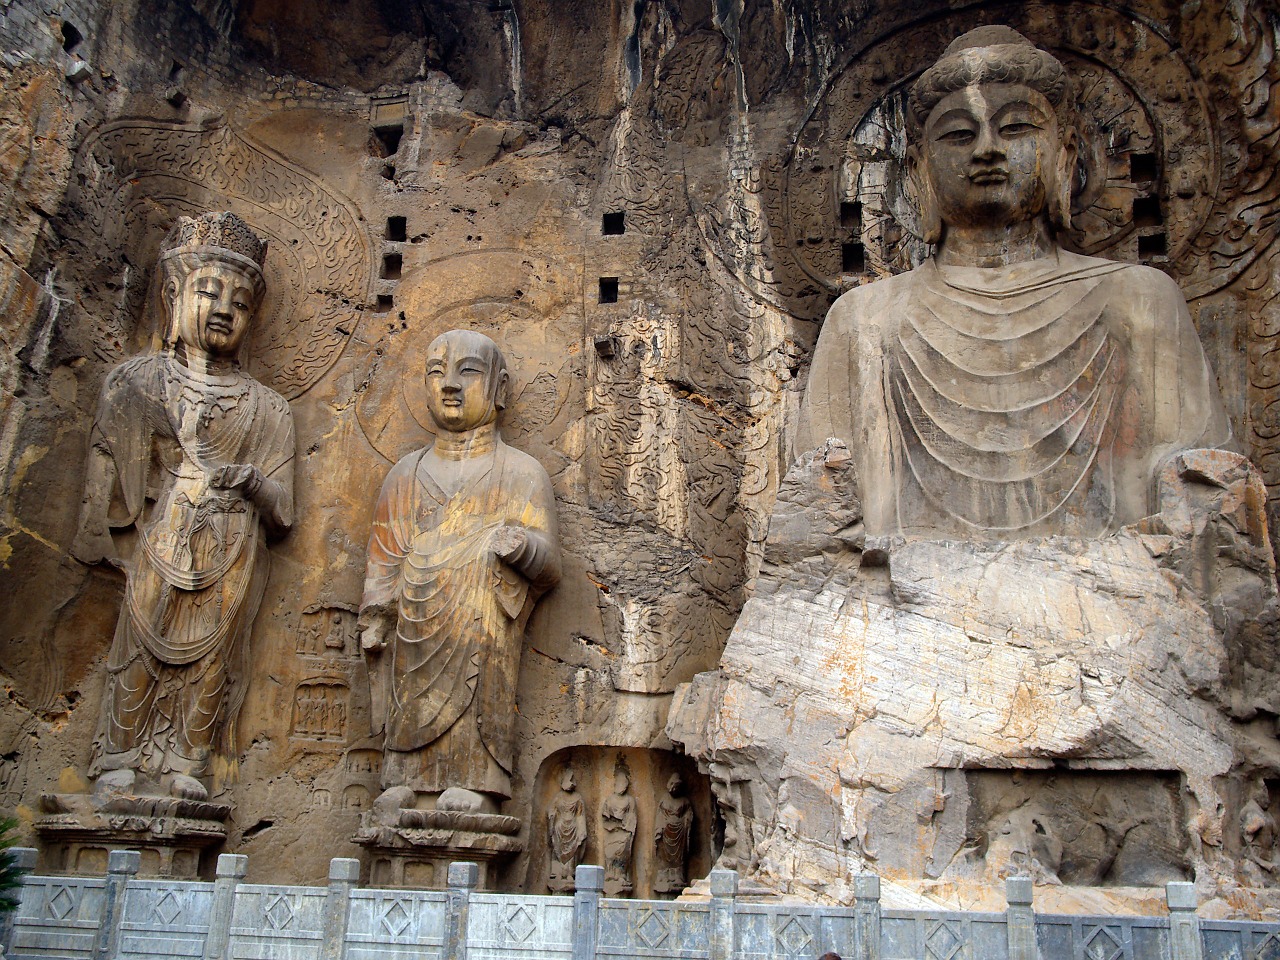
(921,190)
(170,292)
(1064,177)
(502,390)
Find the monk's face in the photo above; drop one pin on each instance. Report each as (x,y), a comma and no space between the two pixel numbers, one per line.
(990,153)
(461,388)
(213,306)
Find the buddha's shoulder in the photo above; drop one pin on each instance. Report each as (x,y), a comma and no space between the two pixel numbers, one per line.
(520,463)
(1134,279)
(865,304)
(406,466)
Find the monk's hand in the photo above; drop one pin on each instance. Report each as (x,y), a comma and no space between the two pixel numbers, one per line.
(242,477)
(374,637)
(508,543)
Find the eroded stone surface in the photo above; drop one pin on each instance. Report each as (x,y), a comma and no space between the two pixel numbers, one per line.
(754,161)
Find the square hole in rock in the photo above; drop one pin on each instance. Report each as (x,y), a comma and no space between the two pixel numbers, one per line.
(1146,212)
(1153,245)
(614,224)
(608,289)
(853,257)
(388,139)
(1142,167)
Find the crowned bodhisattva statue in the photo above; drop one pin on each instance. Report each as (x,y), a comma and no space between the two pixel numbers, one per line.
(190,476)
(464,541)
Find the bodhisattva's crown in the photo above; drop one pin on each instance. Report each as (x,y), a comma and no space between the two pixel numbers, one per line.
(223,230)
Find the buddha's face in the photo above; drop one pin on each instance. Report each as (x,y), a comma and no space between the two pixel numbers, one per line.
(463,379)
(991,153)
(212,307)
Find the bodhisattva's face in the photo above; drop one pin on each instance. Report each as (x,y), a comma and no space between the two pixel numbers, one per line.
(990,153)
(214,306)
(460,388)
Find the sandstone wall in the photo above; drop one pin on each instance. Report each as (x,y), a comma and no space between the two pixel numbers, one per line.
(649,206)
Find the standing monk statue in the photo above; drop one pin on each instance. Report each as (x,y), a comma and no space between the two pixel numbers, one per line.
(1007,388)
(463,543)
(191,468)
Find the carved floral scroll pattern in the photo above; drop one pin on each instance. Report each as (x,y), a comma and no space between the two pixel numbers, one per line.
(136,176)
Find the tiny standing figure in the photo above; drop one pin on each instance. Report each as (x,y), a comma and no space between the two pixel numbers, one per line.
(675,824)
(619,815)
(567,835)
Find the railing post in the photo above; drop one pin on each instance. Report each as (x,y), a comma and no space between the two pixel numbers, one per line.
(1020,918)
(344,874)
(1184,925)
(589,883)
(231,870)
(24,859)
(724,898)
(866,905)
(121,865)
(462,879)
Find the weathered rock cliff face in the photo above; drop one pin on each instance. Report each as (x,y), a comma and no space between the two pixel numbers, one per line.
(649,207)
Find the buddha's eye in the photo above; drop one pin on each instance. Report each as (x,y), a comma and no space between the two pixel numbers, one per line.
(957,137)
(1018,128)
(241,305)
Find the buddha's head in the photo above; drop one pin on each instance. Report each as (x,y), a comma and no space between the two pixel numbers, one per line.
(994,141)
(467,380)
(212,282)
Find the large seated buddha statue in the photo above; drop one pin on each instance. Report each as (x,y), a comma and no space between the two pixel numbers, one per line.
(1007,620)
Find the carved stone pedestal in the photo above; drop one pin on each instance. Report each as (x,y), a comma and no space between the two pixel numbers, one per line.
(169,833)
(417,852)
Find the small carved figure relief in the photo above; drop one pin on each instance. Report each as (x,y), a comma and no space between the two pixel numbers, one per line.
(194,457)
(671,838)
(1006,387)
(566,835)
(320,710)
(463,543)
(326,631)
(1258,832)
(618,814)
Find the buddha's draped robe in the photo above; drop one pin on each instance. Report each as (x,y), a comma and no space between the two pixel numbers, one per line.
(178,665)
(460,615)
(1009,402)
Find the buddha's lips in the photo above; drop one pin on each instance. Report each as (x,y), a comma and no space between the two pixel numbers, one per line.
(220,326)
(989,176)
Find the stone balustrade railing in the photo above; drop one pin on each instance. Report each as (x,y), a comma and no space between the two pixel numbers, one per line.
(123,917)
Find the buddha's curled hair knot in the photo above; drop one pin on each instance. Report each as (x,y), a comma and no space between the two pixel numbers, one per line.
(992,54)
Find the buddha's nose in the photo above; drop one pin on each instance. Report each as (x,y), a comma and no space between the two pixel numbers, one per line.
(988,145)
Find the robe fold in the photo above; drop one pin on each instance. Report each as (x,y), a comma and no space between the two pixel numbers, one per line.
(460,615)
(179,660)
(1010,402)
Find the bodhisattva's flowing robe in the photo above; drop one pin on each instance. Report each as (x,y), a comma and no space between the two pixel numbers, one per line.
(460,614)
(619,815)
(179,660)
(1011,402)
